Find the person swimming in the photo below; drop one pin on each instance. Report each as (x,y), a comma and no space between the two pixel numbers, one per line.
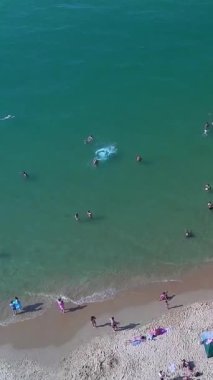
(188,233)
(25,174)
(138,158)
(89,214)
(89,139)
(207,187)
(76,216)
(206,128)
(210,205)
(95,162)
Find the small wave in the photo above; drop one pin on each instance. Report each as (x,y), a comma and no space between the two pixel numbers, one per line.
(98,296)
(7,117)
(95,297)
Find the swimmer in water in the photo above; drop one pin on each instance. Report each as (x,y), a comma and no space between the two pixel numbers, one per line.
(95,162)
(89,139)
(76,216)
(25,174)
(188,233)
(206,128)
(210,205)
(89,214)
(207,187)
(138,158)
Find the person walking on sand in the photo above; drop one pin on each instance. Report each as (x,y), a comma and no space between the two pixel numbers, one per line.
(93,321)
(164,297)
(60,304)
(114,324)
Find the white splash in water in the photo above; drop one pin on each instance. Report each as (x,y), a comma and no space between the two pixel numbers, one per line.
(7,117)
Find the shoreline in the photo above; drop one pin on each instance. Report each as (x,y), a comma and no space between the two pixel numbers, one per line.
(60,333)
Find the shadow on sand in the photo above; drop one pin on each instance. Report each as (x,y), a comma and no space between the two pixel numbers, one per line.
(130,326)
(71,309)
(32,308)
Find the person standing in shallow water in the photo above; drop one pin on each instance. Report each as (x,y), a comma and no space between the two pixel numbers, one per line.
(60,304)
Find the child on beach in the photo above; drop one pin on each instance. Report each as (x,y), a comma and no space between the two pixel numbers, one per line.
(60,303)
(93,321)
(114,324)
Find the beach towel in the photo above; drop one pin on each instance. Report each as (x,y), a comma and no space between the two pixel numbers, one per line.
(172,368)
(159,331)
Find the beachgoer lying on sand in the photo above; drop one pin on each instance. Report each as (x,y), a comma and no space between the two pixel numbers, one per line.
(137,340)
(156,332)
(114,324)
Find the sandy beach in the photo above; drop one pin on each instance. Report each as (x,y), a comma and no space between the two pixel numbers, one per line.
(65,346)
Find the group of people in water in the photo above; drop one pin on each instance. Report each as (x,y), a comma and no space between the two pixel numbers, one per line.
(95,161)
(207,188)
(89,215)
(189,233)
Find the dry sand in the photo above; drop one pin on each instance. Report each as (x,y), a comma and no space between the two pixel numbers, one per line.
(63,347)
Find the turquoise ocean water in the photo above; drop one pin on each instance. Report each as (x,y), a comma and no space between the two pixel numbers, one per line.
(137,74)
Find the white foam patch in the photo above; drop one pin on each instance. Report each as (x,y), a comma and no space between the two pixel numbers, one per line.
(7,117)
(98,296)
(103,154)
